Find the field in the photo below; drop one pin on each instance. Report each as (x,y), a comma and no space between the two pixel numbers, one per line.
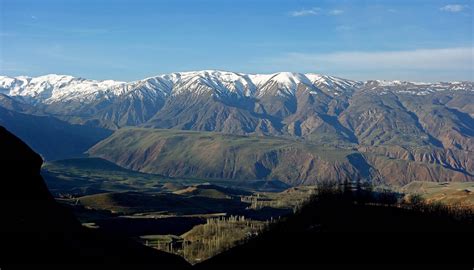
(197,218)
(87,176)
(451,193)
(194,218)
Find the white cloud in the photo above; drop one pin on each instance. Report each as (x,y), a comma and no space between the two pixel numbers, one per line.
(305,12)
(336,12)
(453,8)
(419,61)
(342,28)
(315,11)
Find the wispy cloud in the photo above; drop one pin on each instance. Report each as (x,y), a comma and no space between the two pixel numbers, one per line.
(419,60)
(453,8)
(306,12)
(11,67)
(64,55)
(336,12)
(58,52)
(316,11)
(51,30)
(343,28)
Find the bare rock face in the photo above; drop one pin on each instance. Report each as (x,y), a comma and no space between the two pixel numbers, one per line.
(387,121)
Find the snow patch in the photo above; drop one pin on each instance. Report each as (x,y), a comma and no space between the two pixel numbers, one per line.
(61,88)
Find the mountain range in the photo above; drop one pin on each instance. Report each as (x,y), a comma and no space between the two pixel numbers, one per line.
(389,131)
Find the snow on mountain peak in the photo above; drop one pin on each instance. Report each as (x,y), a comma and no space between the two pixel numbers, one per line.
(55,88)
(416,88)
(290,79)
(51,88)
(332,83)
(220,82)
(285,82)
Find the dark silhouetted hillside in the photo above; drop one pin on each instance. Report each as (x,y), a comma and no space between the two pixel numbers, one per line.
(339,226)
(35,229)
(360,227)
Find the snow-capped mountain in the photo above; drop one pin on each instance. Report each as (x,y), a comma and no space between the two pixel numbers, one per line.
(56,88)
(422,123)
(417,88)
(60,88)
(282,103)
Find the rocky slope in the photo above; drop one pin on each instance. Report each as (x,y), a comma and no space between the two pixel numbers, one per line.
(221,156)
(311,106)
(432,123)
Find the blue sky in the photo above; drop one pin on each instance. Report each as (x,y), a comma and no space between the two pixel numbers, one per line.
(424,40)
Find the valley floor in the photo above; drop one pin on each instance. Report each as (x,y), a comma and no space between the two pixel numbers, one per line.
(199,219)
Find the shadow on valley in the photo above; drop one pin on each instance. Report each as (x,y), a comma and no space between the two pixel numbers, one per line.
(354,224)
(340,224)
(40,132)
(37,230)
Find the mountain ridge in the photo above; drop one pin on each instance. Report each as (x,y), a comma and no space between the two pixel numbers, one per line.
(415,124)
(40,87)
(212,155)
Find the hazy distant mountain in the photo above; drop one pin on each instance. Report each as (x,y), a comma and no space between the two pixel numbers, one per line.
(418,123)
(53,138)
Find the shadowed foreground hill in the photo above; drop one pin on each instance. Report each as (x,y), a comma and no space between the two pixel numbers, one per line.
(36,230)
(348,227)
(332,229)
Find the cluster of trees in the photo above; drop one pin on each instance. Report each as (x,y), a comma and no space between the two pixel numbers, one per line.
(217,235)
(365,193)
(319,209)
(168,243)
(209,239)
(291,200)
